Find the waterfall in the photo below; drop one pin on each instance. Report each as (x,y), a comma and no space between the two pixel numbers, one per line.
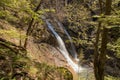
(63,49)
(73,53)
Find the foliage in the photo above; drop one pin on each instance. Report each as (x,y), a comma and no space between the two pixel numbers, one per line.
(11,33)
(111,78)
(77,20)
(76,15)
(115,47)
(17,10)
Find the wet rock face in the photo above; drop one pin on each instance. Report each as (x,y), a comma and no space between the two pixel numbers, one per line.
(52,41)
(42,34)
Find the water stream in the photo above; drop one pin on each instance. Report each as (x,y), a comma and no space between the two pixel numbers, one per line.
(74,53)
(63,49)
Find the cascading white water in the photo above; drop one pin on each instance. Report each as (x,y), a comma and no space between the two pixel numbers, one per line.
(74,53)
(63,49)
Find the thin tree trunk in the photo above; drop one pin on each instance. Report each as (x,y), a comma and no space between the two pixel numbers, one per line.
(101,6)
(56,6)
(108,7)
(96,53)
(28,33)
(66,2)
(102,56)
(20,41)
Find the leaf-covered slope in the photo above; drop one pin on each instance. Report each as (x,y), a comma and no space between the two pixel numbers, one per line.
(14,64)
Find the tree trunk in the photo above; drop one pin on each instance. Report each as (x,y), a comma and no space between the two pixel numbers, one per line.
(28,33)
(96,53)
(66,2)
(101,6)
(102,56)
(108,7)
(99,59)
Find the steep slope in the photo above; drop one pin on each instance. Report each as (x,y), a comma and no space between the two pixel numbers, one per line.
(17,63)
